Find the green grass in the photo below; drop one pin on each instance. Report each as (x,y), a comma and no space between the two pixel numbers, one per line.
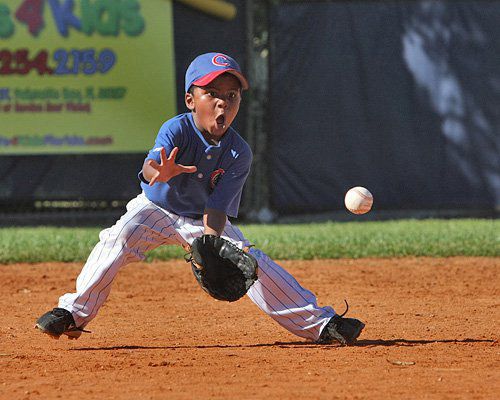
(434,238)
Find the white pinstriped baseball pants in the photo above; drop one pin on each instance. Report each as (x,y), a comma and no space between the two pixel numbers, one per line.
(146,226)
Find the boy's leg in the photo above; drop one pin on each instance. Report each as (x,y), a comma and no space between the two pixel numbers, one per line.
(143,227)
(276,292)
(279,295)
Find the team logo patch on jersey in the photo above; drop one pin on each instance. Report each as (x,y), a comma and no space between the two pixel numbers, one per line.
(215,177)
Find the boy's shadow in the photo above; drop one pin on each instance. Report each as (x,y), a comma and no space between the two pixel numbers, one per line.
(416,342)
(359,343)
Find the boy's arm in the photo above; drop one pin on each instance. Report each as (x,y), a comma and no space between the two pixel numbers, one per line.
(214,221)
(167,169)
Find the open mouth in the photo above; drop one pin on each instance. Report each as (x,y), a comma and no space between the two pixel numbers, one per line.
(221,121)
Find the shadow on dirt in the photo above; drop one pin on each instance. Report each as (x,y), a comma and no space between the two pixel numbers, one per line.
(409,342)
(359,343)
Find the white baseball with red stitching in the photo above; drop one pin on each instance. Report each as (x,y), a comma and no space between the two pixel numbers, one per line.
(358,200)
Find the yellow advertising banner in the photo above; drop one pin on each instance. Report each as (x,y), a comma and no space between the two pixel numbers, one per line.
(84,76)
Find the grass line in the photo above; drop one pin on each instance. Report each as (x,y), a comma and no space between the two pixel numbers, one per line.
(434,238)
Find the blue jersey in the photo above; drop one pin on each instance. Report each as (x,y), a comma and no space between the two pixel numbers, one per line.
(218,182)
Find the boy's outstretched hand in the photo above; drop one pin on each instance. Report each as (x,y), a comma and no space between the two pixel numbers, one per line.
(167,168)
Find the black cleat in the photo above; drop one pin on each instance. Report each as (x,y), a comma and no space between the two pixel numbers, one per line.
(343,330)
(58,322)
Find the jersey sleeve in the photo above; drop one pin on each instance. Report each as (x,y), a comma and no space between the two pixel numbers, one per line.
(168,137)
(226,196)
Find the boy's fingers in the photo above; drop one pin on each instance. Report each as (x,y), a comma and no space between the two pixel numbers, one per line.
(188,169)
(163,155)
(153,179)
(173,153)
(152,163)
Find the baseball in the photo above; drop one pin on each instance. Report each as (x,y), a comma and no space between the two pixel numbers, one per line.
(358,200)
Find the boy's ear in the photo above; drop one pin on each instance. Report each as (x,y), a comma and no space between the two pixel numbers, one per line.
(189,100)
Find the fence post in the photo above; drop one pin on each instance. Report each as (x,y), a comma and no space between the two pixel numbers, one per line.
(257,194)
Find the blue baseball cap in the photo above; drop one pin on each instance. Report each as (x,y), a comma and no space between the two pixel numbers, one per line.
(206,67)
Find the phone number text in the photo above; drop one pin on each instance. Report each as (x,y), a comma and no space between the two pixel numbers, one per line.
(65,62)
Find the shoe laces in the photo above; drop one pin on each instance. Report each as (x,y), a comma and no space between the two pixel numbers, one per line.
(62,313)
(346,309)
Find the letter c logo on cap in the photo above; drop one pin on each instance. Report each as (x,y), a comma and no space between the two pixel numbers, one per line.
(220,60)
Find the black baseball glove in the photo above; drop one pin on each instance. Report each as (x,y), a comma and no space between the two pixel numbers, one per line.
(223,270)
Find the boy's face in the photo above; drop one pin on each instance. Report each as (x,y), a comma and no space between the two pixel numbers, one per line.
(216,105)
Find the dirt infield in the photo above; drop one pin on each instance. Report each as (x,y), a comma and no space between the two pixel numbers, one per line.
(432,330)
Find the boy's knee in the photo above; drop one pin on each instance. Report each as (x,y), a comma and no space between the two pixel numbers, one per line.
(257,253)
(120,235)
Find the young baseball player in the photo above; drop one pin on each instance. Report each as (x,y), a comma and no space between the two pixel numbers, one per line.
(192,180)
